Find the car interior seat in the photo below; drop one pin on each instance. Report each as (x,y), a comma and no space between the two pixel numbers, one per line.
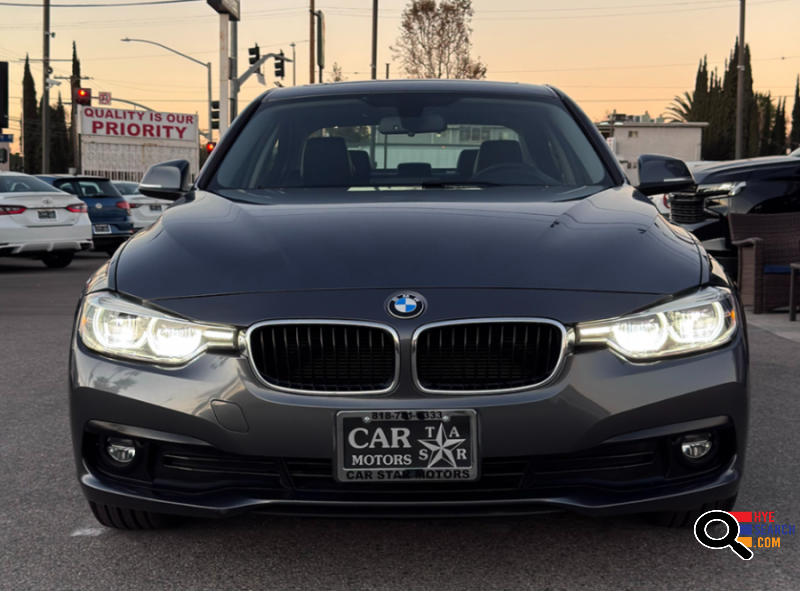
(326,163)
(494,152)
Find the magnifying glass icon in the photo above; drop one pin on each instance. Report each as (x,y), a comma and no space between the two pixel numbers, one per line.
(728,540)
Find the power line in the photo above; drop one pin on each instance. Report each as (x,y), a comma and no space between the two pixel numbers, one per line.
(147,3)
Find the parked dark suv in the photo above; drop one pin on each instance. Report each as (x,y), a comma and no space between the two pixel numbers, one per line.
(108,210)
(756,185)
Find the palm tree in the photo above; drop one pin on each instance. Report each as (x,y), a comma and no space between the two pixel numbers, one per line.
(682,107)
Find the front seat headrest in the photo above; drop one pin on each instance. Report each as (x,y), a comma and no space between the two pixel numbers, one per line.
(494,152)
(414,169)
(361,163)
(326,162)
(466,162)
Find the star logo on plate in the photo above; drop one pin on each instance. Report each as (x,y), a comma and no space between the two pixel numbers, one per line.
(442,448)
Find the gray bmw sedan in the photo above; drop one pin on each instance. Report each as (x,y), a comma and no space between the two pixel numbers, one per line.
(409,298)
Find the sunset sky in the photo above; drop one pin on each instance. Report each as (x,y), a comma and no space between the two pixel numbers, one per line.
(628,55)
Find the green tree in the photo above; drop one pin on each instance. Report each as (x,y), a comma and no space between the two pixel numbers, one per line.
(31,123)
(701,109)
(75,82)
(683,108)
(778,138)
(436,40)
(794,138)
(60,145)
(767,119)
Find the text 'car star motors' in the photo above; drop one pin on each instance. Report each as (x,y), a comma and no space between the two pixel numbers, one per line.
(469,312)
(41,222)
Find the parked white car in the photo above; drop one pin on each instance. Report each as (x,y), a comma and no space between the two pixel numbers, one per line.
(39,221)
(144,210)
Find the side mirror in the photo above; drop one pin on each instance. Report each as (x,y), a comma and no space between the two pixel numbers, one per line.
(169,180)
(663,174)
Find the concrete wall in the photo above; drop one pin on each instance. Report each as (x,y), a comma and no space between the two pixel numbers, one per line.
(632,140)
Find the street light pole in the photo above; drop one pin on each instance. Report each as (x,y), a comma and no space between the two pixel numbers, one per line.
(188,57)
(234,67)
(311,35)
(46,91)
(374,39)
(740,87)
(294,65)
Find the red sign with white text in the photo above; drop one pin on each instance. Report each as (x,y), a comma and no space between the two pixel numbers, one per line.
(138,124)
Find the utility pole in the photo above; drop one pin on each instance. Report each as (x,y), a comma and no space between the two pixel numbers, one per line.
(224,73)
(740,87)
(374,65)
(312,57)
(374,75)
(46,91)
(294,64)
(234,67)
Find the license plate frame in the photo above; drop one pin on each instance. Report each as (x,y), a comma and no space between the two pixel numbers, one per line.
(101,229)
(47,215)
(155,207)
(424,422)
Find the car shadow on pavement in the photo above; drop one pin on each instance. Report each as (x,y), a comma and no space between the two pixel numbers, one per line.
(550,551)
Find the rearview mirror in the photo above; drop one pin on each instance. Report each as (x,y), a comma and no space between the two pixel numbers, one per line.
(663,174)
(169,180)
(412,125)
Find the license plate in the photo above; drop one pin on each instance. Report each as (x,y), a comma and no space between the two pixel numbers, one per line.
(102,229)
(155,208)
(386,446)
(47,214)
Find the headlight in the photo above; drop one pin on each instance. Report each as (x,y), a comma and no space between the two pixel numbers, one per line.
(728,189)
(701,321)
(119,328)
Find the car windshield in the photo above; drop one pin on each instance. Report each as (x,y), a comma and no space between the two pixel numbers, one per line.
(11,183)
(127,188)
(89,188)
(425,140)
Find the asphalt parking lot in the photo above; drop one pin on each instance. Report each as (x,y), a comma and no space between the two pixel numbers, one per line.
(49,539)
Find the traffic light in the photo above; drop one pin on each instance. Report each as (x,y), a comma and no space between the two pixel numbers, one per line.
(82,96)
(280,71)
(214,114)
(255,54)
(210,147)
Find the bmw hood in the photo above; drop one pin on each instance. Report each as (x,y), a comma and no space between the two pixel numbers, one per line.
(613,241)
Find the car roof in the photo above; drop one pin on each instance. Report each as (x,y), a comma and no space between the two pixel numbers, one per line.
(77,177)
(387,86)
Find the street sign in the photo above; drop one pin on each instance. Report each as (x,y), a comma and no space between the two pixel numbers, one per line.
(104,98)
(229,7)
(6,138)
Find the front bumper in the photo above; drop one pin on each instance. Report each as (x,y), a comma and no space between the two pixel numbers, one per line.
(38,248)
(597,401)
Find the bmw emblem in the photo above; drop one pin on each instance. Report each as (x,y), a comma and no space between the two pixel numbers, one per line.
(406,305)
(98,206)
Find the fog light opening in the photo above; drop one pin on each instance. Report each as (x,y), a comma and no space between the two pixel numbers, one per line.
(121,451)
(696,447)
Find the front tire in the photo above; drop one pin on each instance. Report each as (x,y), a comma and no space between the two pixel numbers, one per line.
(675,519)
(128,519)
(58,260)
